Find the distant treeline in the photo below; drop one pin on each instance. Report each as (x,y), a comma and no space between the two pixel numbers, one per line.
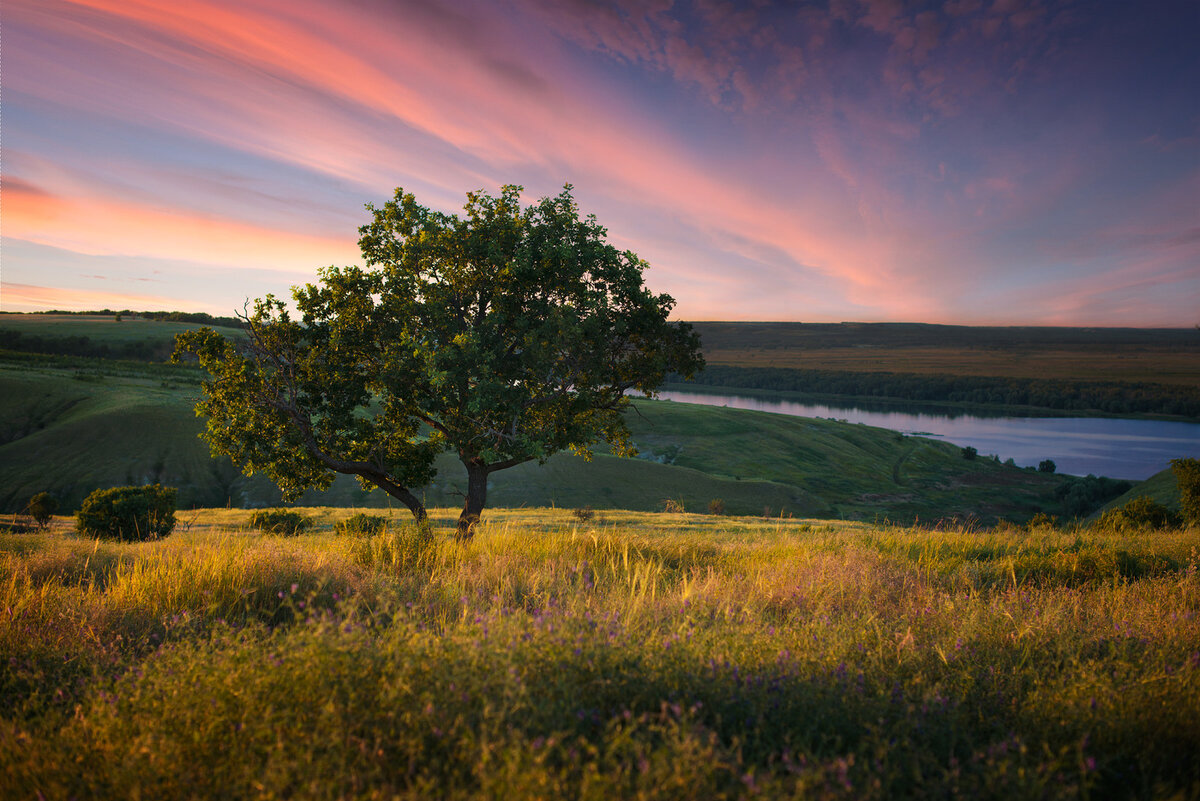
(818,336)
(77,345)
(1076,396)
(162,316)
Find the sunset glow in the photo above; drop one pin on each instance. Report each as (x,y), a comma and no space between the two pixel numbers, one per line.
(970,161)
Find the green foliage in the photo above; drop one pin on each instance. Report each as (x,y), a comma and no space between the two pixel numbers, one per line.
(362,524)
(1187,474)
(509,333)
(969,453)
(128,513)
(1042,520)
(280,521)
(1140,513)
(1047,466)
(1082,496)
(41,508)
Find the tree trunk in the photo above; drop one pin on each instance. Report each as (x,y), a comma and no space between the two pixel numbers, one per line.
(414,505)
(476,499)
(402,494)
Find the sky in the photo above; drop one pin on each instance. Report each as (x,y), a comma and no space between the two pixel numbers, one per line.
(990,162)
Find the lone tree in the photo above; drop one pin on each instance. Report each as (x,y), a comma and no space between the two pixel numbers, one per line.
(505,336)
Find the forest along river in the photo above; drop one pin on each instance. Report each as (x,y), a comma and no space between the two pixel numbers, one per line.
(1103,446)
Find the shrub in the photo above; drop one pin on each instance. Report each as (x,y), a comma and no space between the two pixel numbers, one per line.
(1081,496)
(1047,466)
(41,508)
(128,513)
(716,506)
(969,453)
(1143,512)
(1042,520)
(362,525)
(400,549)
(280,521)
(1187,475)
(584,515)
(672,506)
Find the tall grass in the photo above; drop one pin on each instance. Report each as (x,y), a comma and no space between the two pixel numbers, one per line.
(649,656)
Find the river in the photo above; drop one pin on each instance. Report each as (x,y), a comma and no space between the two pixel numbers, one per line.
(1103,446)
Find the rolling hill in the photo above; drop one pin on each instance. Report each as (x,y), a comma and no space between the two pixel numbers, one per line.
(70,431)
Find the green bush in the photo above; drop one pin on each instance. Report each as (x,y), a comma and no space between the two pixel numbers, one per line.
(400,549)
(1187,475)
(280,521)
(1047,466)
(1143,512)
(128,513)
(362,525)
(42,507)
(1042,520)
(969,453)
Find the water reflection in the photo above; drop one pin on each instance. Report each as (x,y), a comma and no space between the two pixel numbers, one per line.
(1118,448)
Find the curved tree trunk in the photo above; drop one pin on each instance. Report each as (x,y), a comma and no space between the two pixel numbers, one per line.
(402,494)
(476,499)
(413,503)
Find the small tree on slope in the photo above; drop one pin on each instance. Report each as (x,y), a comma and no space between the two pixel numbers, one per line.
(505,335)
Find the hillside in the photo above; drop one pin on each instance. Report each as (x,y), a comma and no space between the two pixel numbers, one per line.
(70,431)
(1161,487)
(75,421)
(1160,355)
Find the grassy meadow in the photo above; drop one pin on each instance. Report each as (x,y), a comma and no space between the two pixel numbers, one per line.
(631,655)
(70,429)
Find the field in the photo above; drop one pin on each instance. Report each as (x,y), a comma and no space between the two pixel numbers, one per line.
(72,429)
(1165,356)
(104,328)
(630,656)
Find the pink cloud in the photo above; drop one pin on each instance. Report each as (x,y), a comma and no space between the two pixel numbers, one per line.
(628,155)
(94,225)
(801,188)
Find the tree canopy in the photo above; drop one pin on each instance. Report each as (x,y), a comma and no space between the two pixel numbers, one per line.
(505,335)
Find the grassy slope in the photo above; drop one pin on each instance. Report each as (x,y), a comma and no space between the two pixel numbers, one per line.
(70,436)
(1161,487)
(643,656)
